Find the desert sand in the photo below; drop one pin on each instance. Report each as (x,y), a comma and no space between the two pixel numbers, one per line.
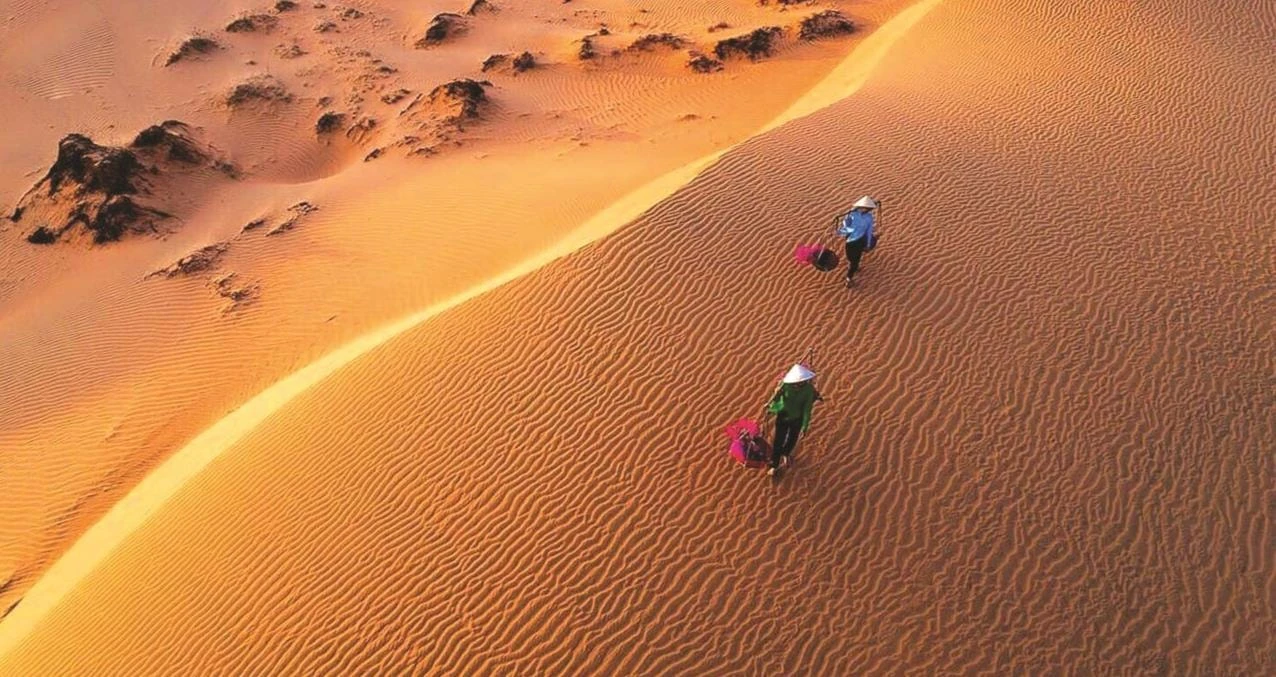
(390,378)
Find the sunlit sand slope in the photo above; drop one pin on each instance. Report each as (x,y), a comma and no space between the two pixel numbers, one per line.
(108,368)
(1046,446)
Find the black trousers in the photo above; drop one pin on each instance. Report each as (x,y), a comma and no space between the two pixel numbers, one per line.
(854,250)
(786,437)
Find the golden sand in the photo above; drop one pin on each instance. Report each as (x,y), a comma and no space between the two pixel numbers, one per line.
(469,420)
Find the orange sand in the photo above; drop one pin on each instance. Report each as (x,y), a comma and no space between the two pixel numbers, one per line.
(1047,441)
(106,374)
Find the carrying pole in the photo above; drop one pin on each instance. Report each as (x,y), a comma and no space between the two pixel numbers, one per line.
(877,222)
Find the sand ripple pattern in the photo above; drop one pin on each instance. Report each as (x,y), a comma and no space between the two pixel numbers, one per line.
(1047,445)
(78,59)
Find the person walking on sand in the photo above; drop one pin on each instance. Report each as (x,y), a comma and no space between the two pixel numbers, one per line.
(791,404)
(857,228)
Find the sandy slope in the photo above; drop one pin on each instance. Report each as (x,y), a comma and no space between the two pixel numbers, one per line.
(1047,441)
(106,373)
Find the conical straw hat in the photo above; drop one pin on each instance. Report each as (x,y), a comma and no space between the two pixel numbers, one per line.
(798,374)
(865,201)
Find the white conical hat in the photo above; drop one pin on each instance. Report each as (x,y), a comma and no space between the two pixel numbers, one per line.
(798,374)
(865,201)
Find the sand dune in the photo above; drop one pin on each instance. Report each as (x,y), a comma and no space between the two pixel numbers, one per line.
(1046,445)
(109,369)
(170,477)
(64,69)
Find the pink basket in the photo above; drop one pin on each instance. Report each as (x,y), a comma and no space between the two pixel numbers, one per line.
(748,447)
(816,255)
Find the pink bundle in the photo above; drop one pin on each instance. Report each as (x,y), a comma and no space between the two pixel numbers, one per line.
(745,426)
(748,448)
(817,255)
(807,254)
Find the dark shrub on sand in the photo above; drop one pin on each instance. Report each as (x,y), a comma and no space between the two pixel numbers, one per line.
(251,23)
(494,61)
(395,96)
(99,169)
(587,50)
(329,122)
(257,88)
(173,137)
(117,215)
(520,63)
(523,62)
(197,261)
(467,94)
(42,235)
(754,45)
(702,63)
(824,24)
(94,186)
(649,42)
(441,27)
(196,44)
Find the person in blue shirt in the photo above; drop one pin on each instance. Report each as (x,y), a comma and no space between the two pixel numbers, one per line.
(857,229)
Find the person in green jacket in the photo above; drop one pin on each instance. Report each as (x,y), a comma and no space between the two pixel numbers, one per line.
(791,404)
